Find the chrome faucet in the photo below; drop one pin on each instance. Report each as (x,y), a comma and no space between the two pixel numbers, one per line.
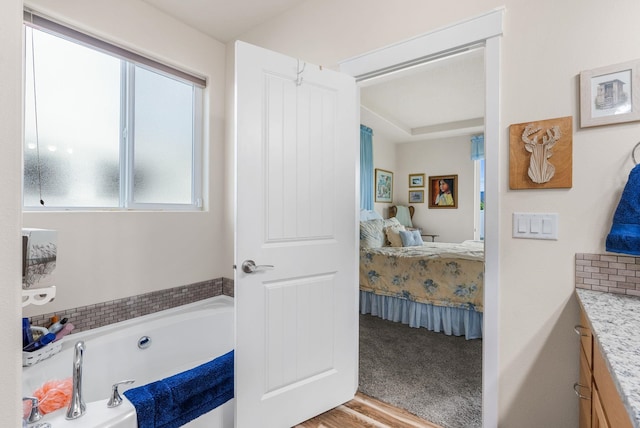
(76,406)
(34,413)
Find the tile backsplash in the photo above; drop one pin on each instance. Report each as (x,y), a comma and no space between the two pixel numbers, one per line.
(101,314)
(609,273)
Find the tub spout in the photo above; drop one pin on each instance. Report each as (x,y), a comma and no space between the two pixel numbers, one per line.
(76,406)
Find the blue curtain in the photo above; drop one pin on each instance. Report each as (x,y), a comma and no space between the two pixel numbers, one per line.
(366,168)
(477,147)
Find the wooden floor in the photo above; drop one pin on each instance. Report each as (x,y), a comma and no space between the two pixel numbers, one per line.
(363,412)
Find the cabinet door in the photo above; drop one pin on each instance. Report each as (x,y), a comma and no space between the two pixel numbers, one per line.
(608,396)
(583,390)
(586,338)
(599,420)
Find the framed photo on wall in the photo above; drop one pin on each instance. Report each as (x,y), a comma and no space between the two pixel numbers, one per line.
(443,191)
(416,180)
(610,94)
(384,185)
(416,196)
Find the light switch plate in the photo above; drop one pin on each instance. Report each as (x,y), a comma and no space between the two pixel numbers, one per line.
(535,225)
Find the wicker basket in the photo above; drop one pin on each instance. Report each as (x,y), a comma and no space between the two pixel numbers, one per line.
(31,358)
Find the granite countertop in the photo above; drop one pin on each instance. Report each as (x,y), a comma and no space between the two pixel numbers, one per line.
(615,322)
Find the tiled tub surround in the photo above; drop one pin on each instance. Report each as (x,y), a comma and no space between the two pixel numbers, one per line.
(105,313)
(615,321)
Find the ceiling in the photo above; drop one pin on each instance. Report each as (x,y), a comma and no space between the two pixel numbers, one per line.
(438,99)
(435,100)
(224,20)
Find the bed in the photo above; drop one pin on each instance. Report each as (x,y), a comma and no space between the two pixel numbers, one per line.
(435,285)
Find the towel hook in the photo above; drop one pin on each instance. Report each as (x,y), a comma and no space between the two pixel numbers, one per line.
(633,153)
(299,72)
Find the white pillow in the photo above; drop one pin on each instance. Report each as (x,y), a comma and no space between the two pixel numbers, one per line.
(372,234)
(411,238)
(391,222)
(369,215)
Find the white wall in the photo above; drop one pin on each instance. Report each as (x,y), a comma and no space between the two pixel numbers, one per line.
(10,216)
(544,48)
(108,255)
(448,156)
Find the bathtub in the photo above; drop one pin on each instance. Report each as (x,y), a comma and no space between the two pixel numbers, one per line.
(181,338)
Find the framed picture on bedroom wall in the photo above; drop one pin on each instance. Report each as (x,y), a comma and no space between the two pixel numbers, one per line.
(416,180)
(443,191)
(384,185)
(416,196)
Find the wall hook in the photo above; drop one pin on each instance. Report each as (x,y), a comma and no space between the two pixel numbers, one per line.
(299,72)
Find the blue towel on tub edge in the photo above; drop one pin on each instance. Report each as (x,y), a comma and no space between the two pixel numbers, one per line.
(178,399)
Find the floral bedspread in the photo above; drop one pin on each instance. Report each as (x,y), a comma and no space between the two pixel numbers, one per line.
(437,273)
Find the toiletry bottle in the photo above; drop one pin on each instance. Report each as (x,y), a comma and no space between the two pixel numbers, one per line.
(27,337)
(57,326)
(68,327)
(43,341)
(37,332)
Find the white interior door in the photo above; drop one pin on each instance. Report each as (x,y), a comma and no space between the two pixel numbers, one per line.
(297,154)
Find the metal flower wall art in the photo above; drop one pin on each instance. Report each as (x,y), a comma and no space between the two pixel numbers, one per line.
(540,154)
(540,169)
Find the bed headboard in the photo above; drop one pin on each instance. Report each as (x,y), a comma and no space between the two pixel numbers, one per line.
(393,210)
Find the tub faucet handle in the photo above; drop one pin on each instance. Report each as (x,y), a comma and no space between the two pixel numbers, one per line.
(115,400)
(34,414)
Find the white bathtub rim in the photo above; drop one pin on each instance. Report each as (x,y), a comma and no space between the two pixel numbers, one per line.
(222,303)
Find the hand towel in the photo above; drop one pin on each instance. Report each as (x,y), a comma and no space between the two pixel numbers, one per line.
(624,236)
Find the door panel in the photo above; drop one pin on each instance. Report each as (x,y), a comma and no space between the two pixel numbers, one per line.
(296,210)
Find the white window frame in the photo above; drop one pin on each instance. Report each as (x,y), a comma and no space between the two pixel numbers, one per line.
(126,159)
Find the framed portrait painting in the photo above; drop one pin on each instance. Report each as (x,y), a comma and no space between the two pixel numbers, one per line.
(610,94)
(384,185)
(443,191)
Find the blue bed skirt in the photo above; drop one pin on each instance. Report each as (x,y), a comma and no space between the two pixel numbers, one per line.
(450,321)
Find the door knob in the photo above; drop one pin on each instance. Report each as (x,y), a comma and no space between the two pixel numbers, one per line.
(249,266)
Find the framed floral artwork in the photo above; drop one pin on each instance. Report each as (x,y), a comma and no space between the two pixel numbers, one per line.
(384,185)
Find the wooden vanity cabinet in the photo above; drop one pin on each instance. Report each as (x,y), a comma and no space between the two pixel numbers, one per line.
(600,403)
(584,387)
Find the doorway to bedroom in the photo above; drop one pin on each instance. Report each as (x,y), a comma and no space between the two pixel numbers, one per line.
(426,122)
(484,30)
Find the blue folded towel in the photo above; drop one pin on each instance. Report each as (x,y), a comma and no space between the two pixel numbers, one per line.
(624,236)
(176,400)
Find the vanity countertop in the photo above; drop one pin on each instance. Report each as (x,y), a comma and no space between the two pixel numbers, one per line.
(615,322)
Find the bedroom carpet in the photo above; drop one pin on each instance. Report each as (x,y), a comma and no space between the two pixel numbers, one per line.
(434,376)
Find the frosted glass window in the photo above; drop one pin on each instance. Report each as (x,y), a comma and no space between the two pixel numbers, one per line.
(78,101)
(105,132)
(163,154)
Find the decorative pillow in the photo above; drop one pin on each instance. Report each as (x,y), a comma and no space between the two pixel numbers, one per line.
(393,235)
(411,238)
(372,234)
(369,215)
(391,222)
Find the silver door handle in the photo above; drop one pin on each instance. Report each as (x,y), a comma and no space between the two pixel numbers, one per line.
(249,266)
